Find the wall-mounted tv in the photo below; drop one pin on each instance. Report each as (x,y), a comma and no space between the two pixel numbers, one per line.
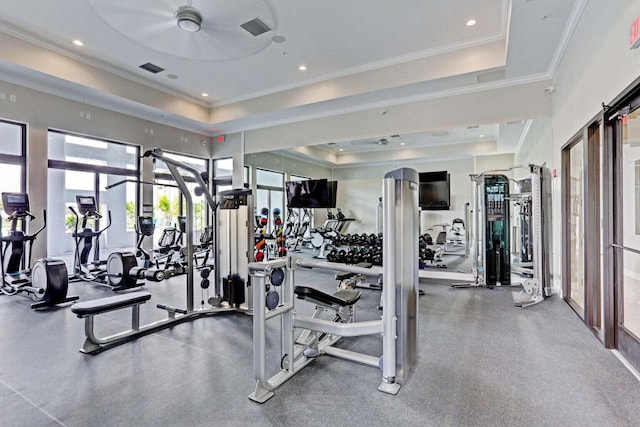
(435,192)
(312,193)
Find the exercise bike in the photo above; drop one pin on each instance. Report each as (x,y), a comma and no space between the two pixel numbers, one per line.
(86,240)
(46,281)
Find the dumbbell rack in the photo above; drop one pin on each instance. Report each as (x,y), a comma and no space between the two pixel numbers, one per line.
(359,248)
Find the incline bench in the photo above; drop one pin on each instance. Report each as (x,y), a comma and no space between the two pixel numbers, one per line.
(341,301)
(341,298)
(89,309)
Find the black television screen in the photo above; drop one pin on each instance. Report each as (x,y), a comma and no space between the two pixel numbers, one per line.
(312,193)
(435,192)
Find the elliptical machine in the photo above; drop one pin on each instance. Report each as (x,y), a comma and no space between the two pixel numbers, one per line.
(122,267)
(86,240)
(47,281)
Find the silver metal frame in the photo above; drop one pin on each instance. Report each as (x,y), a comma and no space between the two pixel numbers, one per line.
(538,286)
(94,344)
(398,325)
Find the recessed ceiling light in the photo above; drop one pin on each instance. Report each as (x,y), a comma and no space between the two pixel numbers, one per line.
(278,39)
(471,22)
(481,136)
(78,43)
(205,94)
(402,143)
(302,68)
(341,149)
(172,76)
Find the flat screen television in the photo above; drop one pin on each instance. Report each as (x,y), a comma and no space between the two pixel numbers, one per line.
(312,193)
(435,192)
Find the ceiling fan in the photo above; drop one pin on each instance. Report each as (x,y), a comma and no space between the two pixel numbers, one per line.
(215,30)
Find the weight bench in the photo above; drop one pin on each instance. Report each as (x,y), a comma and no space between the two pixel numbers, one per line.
(337,301)
(89,309)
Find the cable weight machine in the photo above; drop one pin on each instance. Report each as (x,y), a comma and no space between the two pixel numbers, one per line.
(533,210)
(490,233)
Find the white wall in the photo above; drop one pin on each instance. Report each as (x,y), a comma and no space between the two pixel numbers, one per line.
(360,187)
(597,65)
(289,165)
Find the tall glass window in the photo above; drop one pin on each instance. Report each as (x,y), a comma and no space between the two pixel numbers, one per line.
(168,200)
(12,160)
(86,166)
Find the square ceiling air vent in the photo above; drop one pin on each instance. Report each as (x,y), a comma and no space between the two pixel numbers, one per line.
(256,27)
(152,68)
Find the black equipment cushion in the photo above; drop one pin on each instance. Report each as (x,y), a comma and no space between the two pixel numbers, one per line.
(342,298)
(102,305)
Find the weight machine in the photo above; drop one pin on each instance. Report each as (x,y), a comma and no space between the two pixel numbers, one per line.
(532,204)
(490,233)
(490,243)
(399,323)
(219,304)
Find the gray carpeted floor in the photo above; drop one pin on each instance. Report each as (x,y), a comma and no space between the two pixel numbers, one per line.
(483,362)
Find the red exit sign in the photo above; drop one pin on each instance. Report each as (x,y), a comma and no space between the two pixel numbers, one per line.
(634,39)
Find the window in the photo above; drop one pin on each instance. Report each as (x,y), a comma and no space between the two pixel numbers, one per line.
(85,166)
(168,200)
(12,160)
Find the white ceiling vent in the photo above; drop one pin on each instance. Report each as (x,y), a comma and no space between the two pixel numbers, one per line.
(256,27)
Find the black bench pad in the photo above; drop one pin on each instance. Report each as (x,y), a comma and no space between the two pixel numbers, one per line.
(342,298)
(102,305)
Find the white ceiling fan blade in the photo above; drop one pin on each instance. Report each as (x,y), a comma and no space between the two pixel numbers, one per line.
(153,23)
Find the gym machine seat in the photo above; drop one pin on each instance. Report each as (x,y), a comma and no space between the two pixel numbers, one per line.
(89,309)
(342,298)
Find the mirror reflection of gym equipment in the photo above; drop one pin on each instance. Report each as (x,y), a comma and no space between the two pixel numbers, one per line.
(491,234)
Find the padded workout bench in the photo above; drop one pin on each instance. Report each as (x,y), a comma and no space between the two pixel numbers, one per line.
(342,298)
(89,309)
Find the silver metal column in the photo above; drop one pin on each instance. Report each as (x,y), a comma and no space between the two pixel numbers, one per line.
(400,270)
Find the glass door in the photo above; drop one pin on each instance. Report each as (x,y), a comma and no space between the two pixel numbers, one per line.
(627,239)
(574,226)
